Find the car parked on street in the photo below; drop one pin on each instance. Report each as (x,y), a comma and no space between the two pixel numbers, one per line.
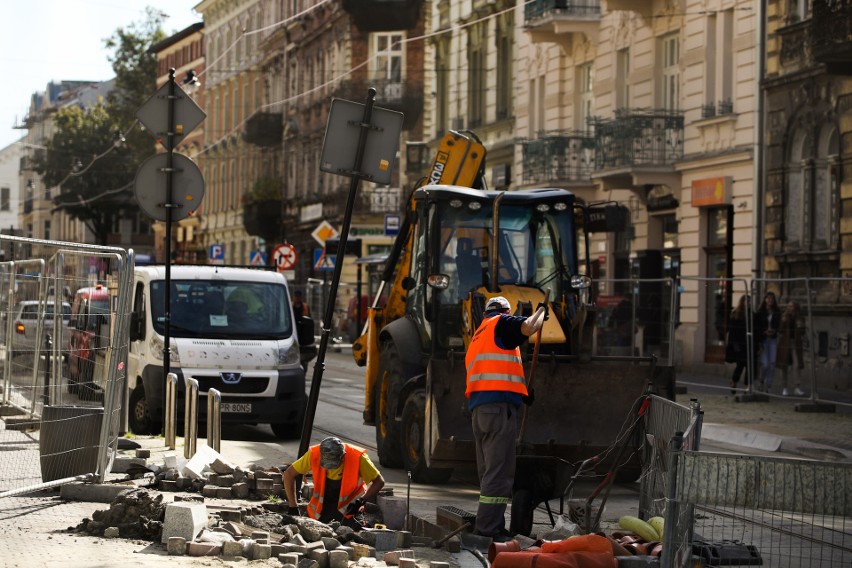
(25,318)
(89,334)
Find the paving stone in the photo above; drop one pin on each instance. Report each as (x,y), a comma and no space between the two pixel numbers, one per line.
(330,543)
(261,551)
(203,549)
(290,558)
(453,544)
(367,561)
(407,563)
(143,453)
(307,563)
(338,559)
(255,535)
(320,555)
(299,539)
(240,490)
(176,546)
(111,532)
(438,564)
(264,484)
(184,519)
(166,485)
(361,550)
(210,491)
(403,539)
(221,467)
(211,479)
(277,548)
(392,557)
(277,478)
(225,480)
(385,540)
(232,528)
(348,550)
(232,548)
(315,545)
(292,547)
(233,516)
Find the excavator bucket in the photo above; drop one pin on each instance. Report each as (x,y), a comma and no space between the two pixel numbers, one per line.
(580,407)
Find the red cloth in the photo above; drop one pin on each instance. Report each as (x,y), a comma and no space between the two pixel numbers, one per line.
(587,551)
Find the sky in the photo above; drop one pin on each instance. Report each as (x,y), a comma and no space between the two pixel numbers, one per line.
(44,40)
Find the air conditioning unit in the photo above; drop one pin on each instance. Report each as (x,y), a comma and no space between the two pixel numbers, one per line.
(500,175)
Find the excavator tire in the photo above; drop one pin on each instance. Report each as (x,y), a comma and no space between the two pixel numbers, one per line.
(388,386)
(413,433)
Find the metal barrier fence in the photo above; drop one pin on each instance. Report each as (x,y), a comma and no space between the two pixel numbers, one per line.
(64,344)
(664,418)
(749,510)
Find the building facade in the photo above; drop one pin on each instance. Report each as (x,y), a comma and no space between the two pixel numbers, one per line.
(10,165)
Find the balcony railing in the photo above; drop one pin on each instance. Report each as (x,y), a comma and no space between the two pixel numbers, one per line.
(264,129)
(540,8)
(639,137)
(831,35)
(384,15)
(556,156)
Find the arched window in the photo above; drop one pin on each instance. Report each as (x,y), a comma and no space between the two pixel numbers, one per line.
(825,189)
(795,203)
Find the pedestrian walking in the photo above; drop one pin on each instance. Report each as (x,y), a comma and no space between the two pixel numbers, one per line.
(767,320)
(343,475)
(790,349)
(300,308)
(495,391)
(736,350)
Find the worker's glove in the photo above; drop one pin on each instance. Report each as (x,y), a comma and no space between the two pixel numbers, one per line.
(354,507)
(546,310)
(293,511)
(529,398)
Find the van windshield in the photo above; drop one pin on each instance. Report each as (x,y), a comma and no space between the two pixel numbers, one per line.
(222,309)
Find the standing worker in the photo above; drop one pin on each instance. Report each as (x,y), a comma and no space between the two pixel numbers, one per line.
(341,473)
(496,389)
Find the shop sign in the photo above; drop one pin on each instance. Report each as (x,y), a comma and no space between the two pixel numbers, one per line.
(310,212)
(661,197)
(607,219)
(711,192)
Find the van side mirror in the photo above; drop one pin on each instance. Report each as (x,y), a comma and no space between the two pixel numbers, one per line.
(137,326)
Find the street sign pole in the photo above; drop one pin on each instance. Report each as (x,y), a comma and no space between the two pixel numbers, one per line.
(170,132)
(319,365)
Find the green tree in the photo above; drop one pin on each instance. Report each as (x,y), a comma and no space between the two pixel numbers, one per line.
(94,172)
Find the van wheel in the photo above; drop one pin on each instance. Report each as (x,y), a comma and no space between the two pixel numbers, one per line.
(414,435)
(139,417)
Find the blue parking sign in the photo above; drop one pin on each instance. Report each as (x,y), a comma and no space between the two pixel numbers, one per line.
(217,254)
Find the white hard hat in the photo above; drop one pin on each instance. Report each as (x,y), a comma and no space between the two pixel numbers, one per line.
(497,303)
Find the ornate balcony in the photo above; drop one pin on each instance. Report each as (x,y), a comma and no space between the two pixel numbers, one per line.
(384,15)
(831,35)
(642,143)
(263,218)
(559,158)
(556,21)
(641,6)
(405,97)
(264,129)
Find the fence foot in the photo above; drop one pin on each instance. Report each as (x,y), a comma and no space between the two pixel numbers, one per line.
(815,407)
(755,397)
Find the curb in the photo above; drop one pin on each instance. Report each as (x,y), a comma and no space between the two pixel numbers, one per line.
(765,441)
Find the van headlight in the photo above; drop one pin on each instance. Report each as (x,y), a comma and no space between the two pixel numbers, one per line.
(288,356)
(158,346)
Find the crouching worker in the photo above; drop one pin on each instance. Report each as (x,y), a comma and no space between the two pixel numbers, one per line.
(343,476)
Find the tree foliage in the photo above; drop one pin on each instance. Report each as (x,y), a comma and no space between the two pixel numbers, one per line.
(94,173)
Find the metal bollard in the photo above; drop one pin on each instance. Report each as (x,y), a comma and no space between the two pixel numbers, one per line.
(171,410)
(190,418)
(214,419)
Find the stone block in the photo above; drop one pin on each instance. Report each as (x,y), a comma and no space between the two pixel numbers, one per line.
(277,549)
(348,550)
(257,535)
(232,528)
(234,516)
(338,559)
(221,467)
(209,491)
(123,464)
(330,543)
(142,453)
(240,490)
(407,563)
(366,561)
(385,540)
(203,549)
(438,564)
(185,520)
(316,545)
(453,544)
(307,563)
(290,558)
(225,480)
(176,546)
(361,550)
(223,492)
(299,539)
(261,551)
(204,456)
(232,548)
(166,485)
(320,556)
(403,539)
(111,532)
(277,478)
(263,484)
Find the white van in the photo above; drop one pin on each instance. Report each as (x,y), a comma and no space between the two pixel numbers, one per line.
(231,329)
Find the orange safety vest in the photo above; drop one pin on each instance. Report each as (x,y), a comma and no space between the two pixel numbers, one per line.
(351,485)
(490,368)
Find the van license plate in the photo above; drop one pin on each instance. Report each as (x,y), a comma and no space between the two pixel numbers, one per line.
(236,407)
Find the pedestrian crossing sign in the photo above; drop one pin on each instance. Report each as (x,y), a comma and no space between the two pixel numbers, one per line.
(322,261)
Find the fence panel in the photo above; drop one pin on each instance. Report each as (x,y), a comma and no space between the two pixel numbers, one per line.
(776,512)
(65,310)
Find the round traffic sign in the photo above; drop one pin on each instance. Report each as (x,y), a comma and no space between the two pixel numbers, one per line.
(284,257)
(187,187)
